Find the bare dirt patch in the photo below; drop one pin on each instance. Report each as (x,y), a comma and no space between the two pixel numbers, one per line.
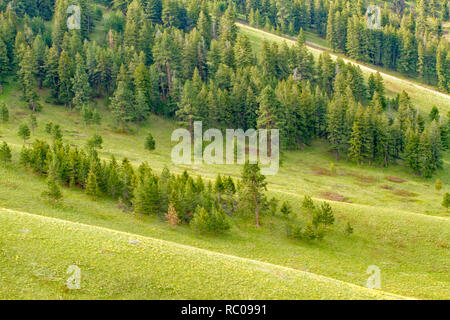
(363,178)
(395,179)
(321,171)
(334,196)
(404,193)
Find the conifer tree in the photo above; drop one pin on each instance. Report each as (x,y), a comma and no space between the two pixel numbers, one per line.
(412,151)
(356,143)
(24,132)
(427,166)
(5,153)
(92,188)
(4,113)
(150,142)
(446,201)
(254,184)
(146,197)
(26,74)
(121,103)
(80,84)
(33,123)
(65,79)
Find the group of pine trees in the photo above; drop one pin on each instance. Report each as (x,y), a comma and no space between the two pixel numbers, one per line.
(186,60)
(410,40)
(176,198)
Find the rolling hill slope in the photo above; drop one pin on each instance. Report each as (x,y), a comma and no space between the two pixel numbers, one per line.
(36,251)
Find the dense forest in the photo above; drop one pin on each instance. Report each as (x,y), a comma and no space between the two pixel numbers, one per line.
(409,39)
(186,60)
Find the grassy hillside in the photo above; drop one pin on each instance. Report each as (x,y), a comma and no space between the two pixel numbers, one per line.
(398,220)
(303,172)
(423,97)
(37,251)
(410,248)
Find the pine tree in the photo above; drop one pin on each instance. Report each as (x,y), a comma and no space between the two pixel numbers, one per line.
(121,103)
(80,84)
(150,142)
(434,114)
(56,132)
(26,74)
(427,166)
(59,23)
(24,132)
(286,209)
(32,122)
(5,153)
(356,143)
(146,196)
(92,188)
(153,10)
(446,201)
(51,71)
(269,113)
(4,113)
(86,115)
(412,151)
(65,79)
(4,60)
(336,125)
(254,184)
(243,55)
(39,52)
(53,191)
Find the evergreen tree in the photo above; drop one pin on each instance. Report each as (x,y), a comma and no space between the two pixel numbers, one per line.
(146,196)
(53,191)
(32,122)
(122,101)
(446,201)
(412,151)
(434,114)
(5,153)
(254,184)
(80,84)
(26,74)
(150,142)
(65,79)
(92,188)
(356,143)
(4,113)
(24,132)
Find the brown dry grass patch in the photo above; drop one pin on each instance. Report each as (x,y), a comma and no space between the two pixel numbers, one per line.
(363,178)
(395,179)
(334,196)
(321,171)
(404,193)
